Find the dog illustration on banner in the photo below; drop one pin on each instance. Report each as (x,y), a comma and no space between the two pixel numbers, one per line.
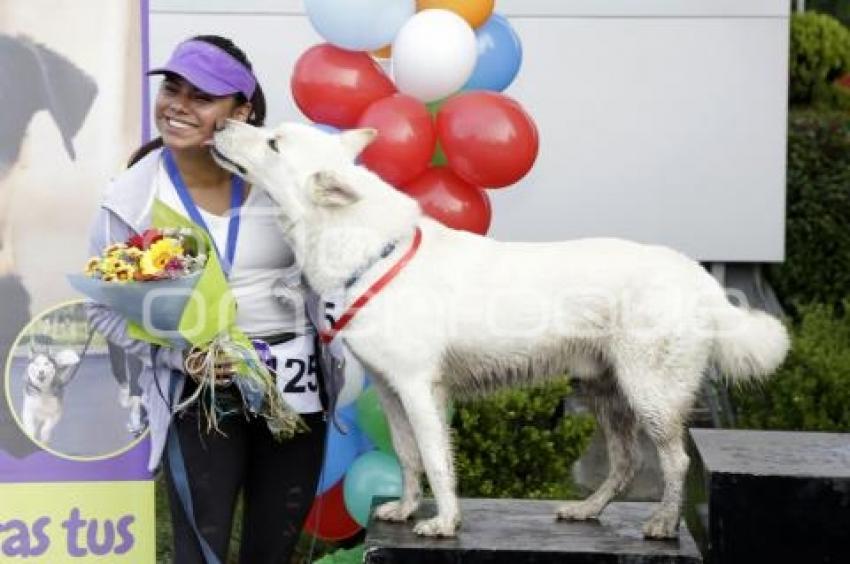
(636,324)
(33,78)
(46,376)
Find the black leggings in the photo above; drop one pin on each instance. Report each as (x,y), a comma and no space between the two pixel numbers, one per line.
(278,480)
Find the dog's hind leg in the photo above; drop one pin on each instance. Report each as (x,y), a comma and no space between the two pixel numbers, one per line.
(661,401)
(29,423)
(674,464)
(47,429)
(619,426)
(404,443)
(424,403)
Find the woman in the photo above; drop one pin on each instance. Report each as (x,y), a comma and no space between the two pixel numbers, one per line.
(207,80)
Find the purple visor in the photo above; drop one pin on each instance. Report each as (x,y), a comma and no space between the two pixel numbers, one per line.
(210,69)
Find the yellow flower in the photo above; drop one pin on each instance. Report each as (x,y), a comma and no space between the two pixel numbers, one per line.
(124,273)
(92,266)
(133,253)
(109,264)
(114,249)
(157,256)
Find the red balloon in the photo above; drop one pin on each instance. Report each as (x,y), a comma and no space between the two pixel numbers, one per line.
(333,86)
(405,141)
(489,140)
(329,519)
(451,201)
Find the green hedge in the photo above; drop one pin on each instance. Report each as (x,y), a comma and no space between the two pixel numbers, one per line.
(344,556)
(820,54)
(514,444)
(838,8)
(817,255)
(812,389)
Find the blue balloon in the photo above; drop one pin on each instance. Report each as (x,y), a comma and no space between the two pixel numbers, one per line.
(366,445)
(341,449)
(499,56)
(359,25)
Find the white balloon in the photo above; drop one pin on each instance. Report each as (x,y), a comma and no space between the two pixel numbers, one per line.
(433,55)
(355,375)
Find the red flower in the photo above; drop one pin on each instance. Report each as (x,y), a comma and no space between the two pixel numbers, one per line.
(174,263)
(147,238)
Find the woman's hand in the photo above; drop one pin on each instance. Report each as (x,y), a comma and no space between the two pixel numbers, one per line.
(196,363)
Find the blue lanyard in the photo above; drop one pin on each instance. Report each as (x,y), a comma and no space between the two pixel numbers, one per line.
(237,191)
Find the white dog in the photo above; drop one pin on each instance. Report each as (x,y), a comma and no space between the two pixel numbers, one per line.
(44,387)
(637,324)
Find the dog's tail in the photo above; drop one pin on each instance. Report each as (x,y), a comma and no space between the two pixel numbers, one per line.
(748,343)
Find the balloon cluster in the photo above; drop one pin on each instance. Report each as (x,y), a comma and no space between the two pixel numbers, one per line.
(359,464)
(445,131)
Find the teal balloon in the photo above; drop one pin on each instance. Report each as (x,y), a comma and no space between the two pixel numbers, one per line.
(499,56)
(372,421)
(359,25)
(373,474)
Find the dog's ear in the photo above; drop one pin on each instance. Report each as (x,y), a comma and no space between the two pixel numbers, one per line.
(355,140)
(69,92)
(327,189)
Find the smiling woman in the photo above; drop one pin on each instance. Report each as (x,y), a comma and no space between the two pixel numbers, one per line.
(208,80)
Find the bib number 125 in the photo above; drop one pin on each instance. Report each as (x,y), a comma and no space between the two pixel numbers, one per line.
(301,375)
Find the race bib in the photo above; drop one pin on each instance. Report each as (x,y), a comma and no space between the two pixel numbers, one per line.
(297,367)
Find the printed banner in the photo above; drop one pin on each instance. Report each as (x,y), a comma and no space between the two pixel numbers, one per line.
(73,444)
(60,523)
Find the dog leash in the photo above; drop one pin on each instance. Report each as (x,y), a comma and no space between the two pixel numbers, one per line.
(328,335)
(82,356)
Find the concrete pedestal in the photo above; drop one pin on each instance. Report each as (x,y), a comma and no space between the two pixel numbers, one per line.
(510,531)
(769,496)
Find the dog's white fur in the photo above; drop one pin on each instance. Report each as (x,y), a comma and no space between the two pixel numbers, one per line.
(44,380)
(637,324)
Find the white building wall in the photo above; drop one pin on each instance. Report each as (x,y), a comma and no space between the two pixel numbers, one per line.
(662,121)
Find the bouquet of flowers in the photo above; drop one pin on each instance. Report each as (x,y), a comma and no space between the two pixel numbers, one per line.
(156,254)
(173,293)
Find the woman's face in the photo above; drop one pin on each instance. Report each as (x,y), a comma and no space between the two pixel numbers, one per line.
(186,116)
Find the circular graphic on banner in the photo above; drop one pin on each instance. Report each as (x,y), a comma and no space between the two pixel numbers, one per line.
(72,392)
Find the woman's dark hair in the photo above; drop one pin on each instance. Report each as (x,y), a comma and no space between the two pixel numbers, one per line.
(258,100)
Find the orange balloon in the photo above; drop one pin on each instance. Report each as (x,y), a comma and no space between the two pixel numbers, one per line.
(475,12)
(384,52)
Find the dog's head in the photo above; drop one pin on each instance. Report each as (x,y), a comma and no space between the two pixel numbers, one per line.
(336,214)
(40,78)
(44,367)
(41,371)
(302,167)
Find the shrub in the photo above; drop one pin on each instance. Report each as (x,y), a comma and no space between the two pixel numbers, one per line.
(817,263)
(514,444)
(812,389)
(820,54)
(838,8)
(344,556)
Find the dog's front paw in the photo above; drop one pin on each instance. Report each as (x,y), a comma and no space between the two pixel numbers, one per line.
(662,525)
(578,511)
(437,527)
(394,511)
